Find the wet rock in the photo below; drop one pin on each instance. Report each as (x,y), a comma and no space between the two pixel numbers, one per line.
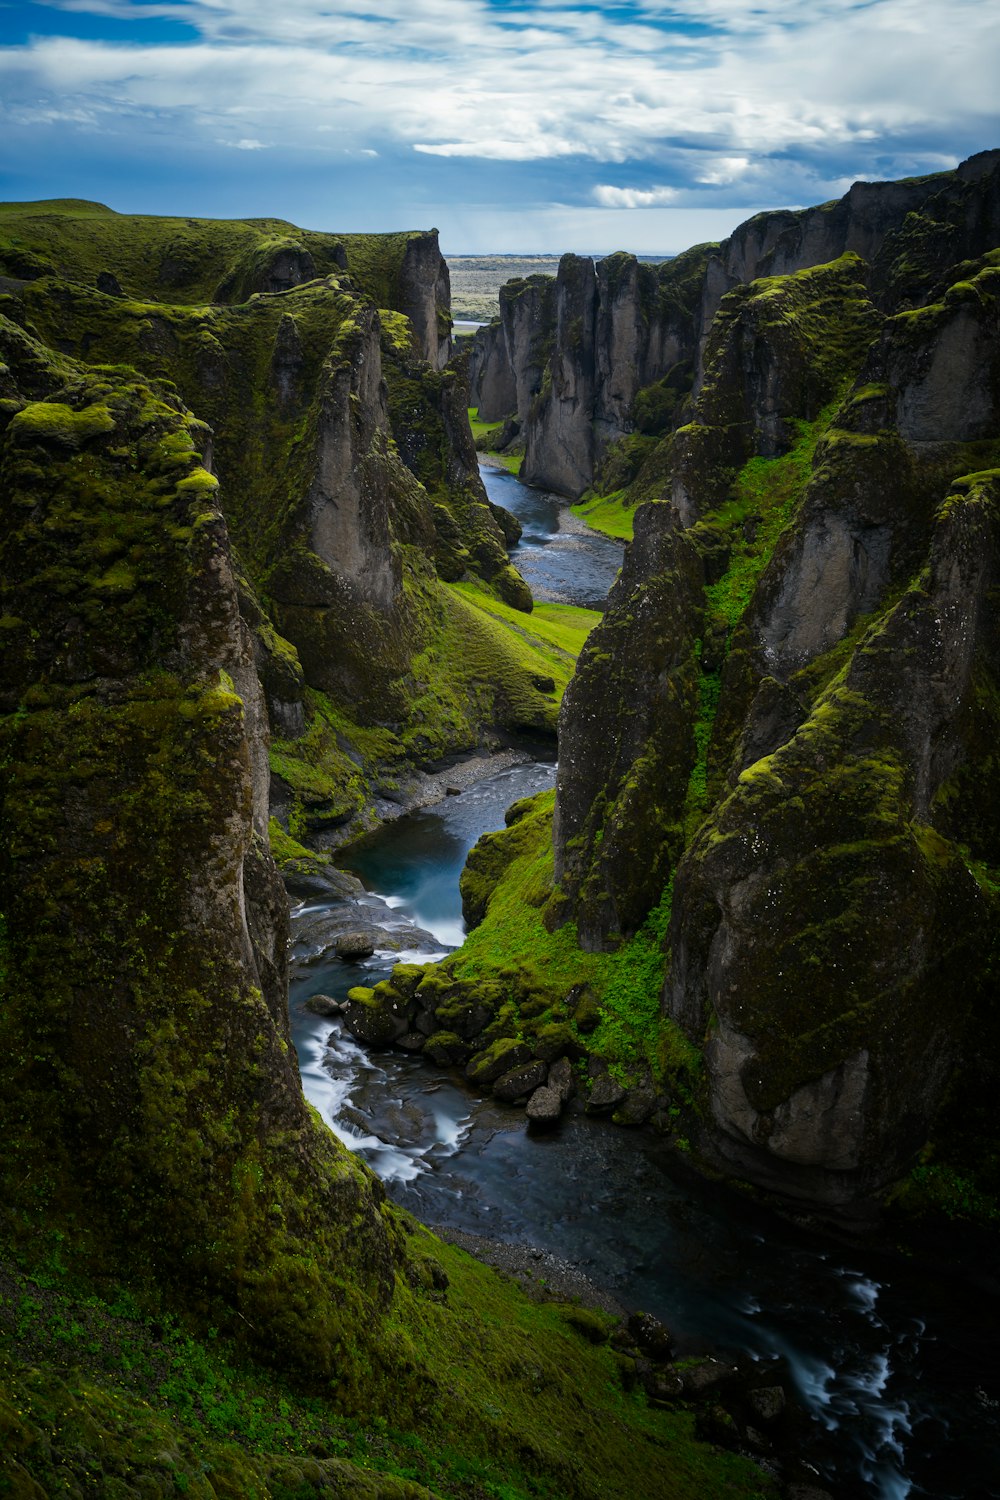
(373,1019)
(324,1005)
(665,1388)
(312,877)
(499,1058)
(545,1106)
(768,1403)
(716,1425)
(360,943)
(447,1049)
(651,1336)
(605,1092)
(520,1081)
(636,1107)
(707,1375)
(561,1079)
(412,1041)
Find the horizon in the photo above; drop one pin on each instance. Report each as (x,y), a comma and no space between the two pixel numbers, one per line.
(518,129)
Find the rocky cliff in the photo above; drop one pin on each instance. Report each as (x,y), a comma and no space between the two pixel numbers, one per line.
(592,365)
(568,357)
(785,721)
(200,1289)
(350,483)
(151,1107)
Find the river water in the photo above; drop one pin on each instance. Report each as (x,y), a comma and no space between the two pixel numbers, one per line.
(896,1365)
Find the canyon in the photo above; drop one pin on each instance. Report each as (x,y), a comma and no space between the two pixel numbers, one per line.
(257,602)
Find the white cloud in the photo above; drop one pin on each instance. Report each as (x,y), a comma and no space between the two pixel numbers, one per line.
(725,170)
(615,197)
(766,97)
(246,144)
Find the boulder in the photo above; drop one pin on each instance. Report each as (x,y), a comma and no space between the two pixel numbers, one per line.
(520,1081)
(768,1403)
(651,1336)
(562,1080)
(605,1093)
(636,1107)
(545,1106)
(496,1059)
(324,1005)
(358,943)
(374,1019)
(447,1049)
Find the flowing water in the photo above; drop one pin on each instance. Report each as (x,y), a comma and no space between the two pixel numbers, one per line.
(897,1366)
(558,556)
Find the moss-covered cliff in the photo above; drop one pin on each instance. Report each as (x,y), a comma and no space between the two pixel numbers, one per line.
(200,1290)
(348,476)
(768,902)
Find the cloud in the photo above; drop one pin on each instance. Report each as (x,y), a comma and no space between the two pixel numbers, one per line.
(687,101)
(615,197)
(725,170)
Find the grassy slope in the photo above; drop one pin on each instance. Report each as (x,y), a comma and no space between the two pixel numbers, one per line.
(498,1397)
(611,514)
(481,434)
(179,260)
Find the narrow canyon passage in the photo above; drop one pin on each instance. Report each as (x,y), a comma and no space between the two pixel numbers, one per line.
(895,1367)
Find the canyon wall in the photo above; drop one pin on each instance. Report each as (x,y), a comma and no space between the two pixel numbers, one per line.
(786,720)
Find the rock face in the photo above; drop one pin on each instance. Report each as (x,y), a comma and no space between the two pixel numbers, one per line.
(144,924)
(584,361)
(349,481)
(782,730)
(425,296)
(568,357)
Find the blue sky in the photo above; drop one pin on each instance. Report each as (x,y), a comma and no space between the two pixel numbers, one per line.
(537,126)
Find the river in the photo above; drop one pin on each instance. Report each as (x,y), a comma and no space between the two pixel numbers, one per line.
(896,1364)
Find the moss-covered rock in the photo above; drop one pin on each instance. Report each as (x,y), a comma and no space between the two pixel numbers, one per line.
(151,1104)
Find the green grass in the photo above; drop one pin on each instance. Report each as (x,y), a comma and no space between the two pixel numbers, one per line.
(611,514)
(551,637)
(767,492)
(186,261)
(513,945)
(499,1398)
(483,431)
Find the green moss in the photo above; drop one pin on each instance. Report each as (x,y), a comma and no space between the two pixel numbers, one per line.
(497,1396)
(765,496)
(513,946)
(54,422)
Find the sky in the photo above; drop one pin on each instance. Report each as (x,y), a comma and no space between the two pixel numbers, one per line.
(539,126)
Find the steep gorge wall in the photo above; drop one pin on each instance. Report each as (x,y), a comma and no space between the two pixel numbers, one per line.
(350,484)
(788,714)
(151,1106)
(602,336)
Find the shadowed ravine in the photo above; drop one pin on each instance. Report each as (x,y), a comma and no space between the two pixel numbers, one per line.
(891,1362)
